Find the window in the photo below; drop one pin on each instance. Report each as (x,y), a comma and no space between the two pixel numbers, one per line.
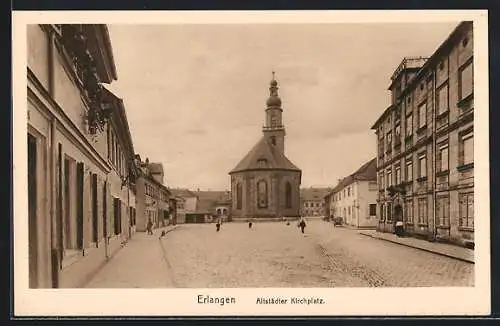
(442,158)
(288,195)
(409,211)
(409,125)
(349,210)
(422,211)
(381,180)
(442,99)
(389,141)
(466,210)
(422,166)
(466,149)
(389,212)
(443,211)
(262,163)
(262,194)
(273,140)
(409,171)
(373,209)
(422,115)
(466,81)
(398,174)
(349,191)
(388,175)
(382,212)
(397,134)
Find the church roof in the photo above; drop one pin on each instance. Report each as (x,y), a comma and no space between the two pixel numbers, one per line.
(308,194)
(263,150)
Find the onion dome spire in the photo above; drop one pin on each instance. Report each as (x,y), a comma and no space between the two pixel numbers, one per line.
(273,99)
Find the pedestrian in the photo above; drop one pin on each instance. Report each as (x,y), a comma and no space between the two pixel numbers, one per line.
(250,224)
(163,233)
(150,226)
(217,225)
(302,224)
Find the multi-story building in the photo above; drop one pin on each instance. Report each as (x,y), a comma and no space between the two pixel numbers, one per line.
(77,190)
(354,199)
(153,198)
(425,160)
(312,201)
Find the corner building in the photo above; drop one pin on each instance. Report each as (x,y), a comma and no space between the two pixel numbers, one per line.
(265,184)
(425,144)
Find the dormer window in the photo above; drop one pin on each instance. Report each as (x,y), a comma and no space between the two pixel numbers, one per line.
(262,163)
(465,41)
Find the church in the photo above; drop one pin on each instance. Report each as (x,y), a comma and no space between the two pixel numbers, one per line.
(265,184)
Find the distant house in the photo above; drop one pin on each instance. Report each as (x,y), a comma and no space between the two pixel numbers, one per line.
(214,204)
(185,203)
(312,201)
(354,199)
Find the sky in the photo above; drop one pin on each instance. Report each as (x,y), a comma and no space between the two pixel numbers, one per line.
(195,94)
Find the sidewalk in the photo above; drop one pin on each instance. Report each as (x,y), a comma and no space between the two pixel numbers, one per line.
(139,264)
(452,251)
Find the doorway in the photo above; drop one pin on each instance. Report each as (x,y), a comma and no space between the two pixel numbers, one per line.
(32,212)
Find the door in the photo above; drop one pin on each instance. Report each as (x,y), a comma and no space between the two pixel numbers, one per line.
(32,212)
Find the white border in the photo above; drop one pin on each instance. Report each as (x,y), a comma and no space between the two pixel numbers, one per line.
(177,302)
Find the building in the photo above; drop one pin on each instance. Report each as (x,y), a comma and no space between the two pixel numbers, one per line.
(312,201)
(153,197)
(265,184)
(354,199)
(425,161)
(186,203)
(213,204)
(79,190)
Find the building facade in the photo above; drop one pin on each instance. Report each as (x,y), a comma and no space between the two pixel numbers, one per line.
(78,200)
(153,198)
(312,201)
(265,184)
(354,199)
(186,202)
(425,160)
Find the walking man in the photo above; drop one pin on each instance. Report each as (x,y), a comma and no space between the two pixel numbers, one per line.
(150,226)
(302,224)
(217,225)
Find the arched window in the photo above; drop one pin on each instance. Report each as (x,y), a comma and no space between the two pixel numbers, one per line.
(288,195)
(239,196)
(262,194)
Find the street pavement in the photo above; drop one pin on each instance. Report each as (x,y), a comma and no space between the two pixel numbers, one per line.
(277,255)
(274,254)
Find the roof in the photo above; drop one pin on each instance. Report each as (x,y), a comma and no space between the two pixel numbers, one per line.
(208,200)
(264,150)
(182,193)
(313,193)
(155,168)
(430,61)
(367,172)
(119,108)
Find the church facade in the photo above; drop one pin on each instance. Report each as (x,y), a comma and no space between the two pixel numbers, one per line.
(265,183)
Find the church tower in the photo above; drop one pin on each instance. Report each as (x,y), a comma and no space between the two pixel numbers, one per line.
(274,131)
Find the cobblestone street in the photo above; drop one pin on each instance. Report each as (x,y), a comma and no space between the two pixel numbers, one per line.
(277,255)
